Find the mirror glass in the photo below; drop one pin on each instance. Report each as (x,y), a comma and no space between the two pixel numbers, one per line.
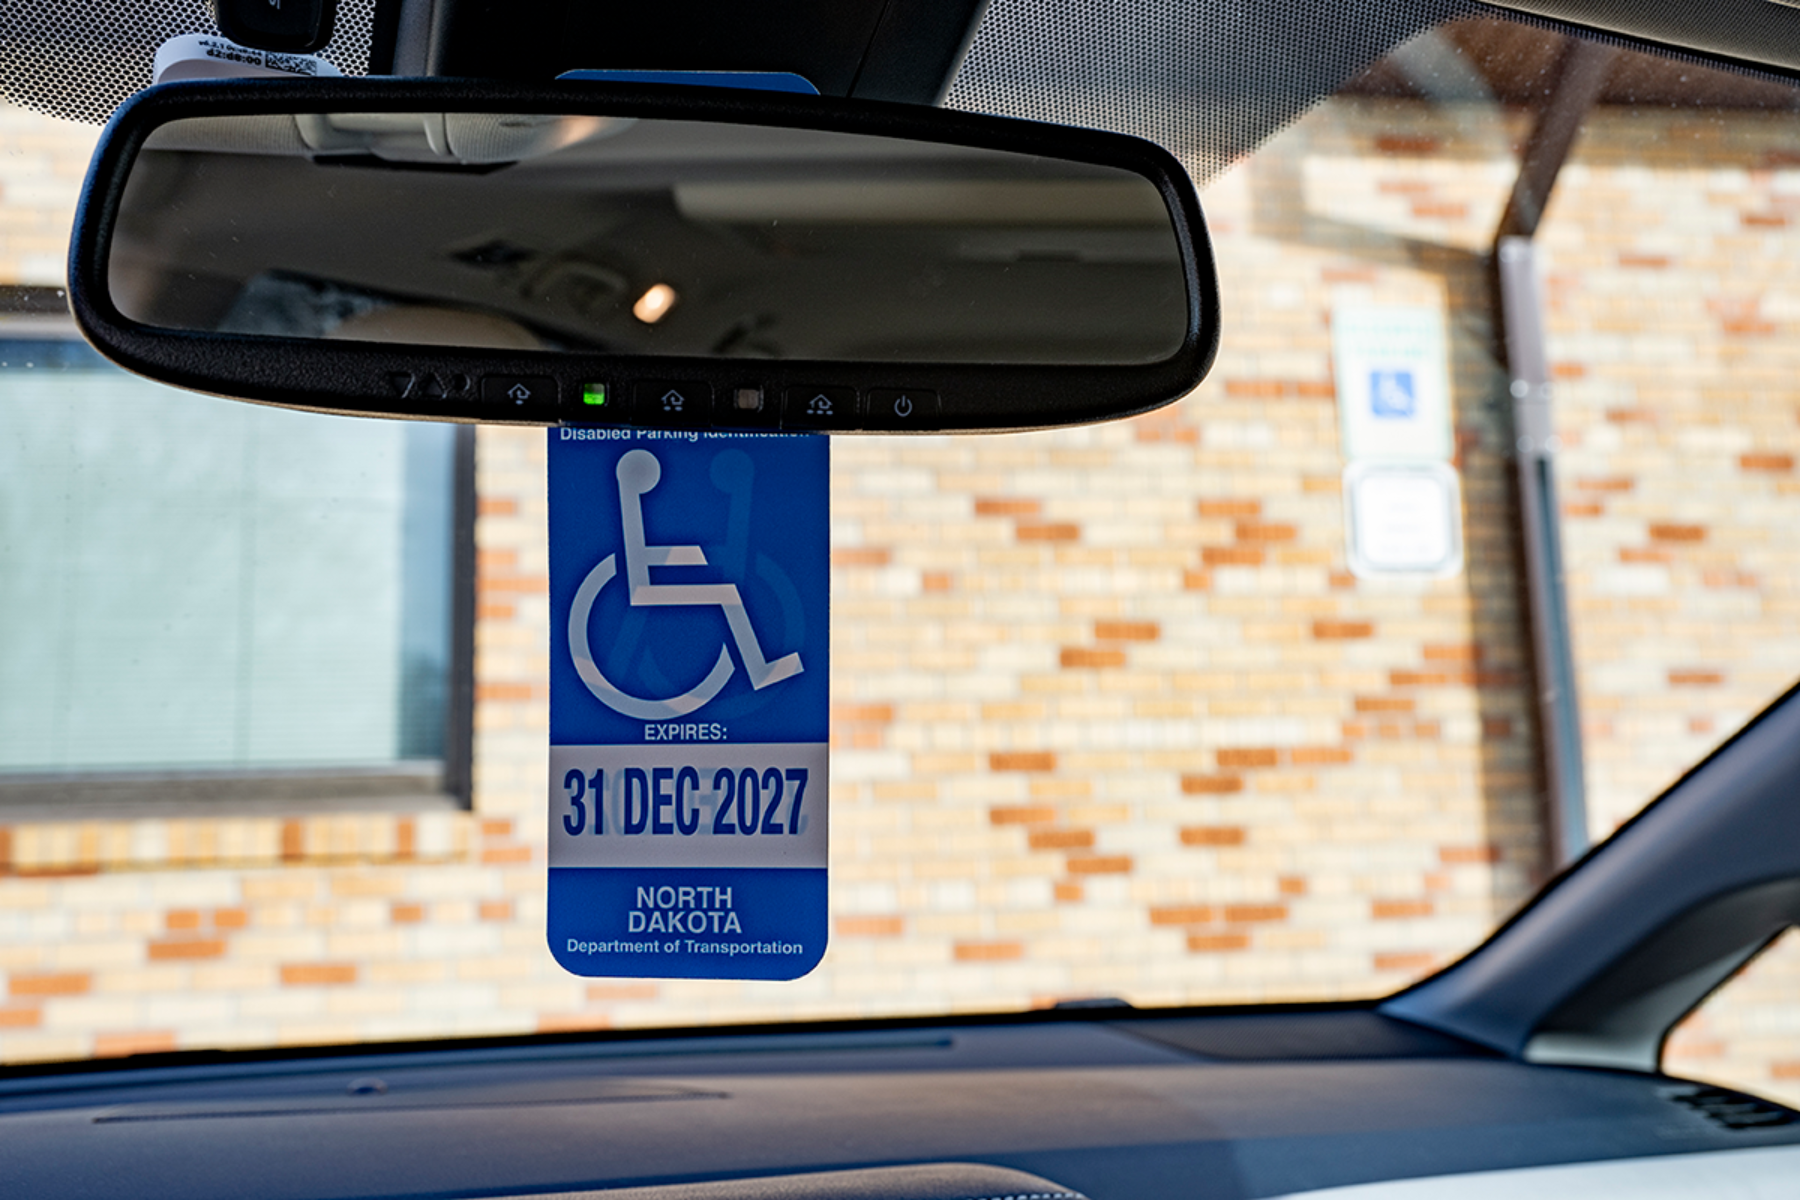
(643,236)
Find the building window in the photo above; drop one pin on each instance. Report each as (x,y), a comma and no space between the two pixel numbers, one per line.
(203,600)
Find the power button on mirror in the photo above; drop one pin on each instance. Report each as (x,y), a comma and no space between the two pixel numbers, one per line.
(902,408)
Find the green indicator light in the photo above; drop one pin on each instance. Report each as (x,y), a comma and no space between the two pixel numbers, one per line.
(593,393)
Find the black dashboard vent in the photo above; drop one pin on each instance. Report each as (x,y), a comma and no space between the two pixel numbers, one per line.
(1733,1110)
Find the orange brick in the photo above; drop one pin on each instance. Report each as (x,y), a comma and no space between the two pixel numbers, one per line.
(871,926)
(1291,885)
(1068,892)
(1100,864)
(1631,416)
(1217,943)
(989,951)
(1446,210)
(1764,220)
(1196,581)
(1568,370)
(497,506)
(1127,631)
(140,1041)
(1397,910)
(1231,556)
(1583,508)
(504,855)
(497,827)
(1384,704)
(1048,531)
(1061,839)
(1406,960)
(1460,855)
(1263,531)
(1181,914)
(1766,462)
(1249,757)
(1036,814)
(1212,835)
(182,919)
(231,918)
(1605,483)
(513,583)
(1211,785)
(1693,677)
(293,841)
(573,1022)
(1320,756)
(494,611)
(1407,146)
(64,983)
(1022,760)
(1256,389)
(623,991)
(1230,508)
(1785,1069)
(936,581)
(1341,581)
(1643,262)
(404,913)
(1333,631)
(496,560)
(504,691)
(861,556)
(175,949)
(880,713)
(317,974)
(1244,914)
(21,1018)
(1085,658)
(1007,506)
(1637,554)
(406,838)
(495,910)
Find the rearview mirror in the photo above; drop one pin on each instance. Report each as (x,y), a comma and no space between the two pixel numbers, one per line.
(639,255)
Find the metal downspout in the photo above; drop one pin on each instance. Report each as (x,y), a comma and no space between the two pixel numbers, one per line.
(1577,81)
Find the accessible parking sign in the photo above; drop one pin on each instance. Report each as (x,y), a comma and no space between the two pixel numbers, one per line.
(689,693)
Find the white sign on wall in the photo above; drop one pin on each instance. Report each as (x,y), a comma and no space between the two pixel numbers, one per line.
(1403,518)
(1393,389)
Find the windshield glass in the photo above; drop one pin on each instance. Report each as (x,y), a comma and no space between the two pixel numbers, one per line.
(1240,701)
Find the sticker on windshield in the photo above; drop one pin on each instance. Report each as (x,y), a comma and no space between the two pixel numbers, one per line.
(689,586)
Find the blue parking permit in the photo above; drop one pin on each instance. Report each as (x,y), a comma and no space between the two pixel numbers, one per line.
(689,693)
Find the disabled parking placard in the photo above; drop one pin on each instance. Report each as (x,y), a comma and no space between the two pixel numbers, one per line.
(689,692)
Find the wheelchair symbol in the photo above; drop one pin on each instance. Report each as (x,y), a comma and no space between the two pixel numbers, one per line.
(638,473)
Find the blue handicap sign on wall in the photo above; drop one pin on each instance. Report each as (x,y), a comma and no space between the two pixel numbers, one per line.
(689,693)
(1393,392)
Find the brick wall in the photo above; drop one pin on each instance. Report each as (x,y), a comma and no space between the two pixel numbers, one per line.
(42,162)
(1110,715)
(1674,325)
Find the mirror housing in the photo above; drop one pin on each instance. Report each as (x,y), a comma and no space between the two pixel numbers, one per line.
(469,375)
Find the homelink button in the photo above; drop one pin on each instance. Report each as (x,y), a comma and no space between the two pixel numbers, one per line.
(523,391)
(815,407)
(679,402)
(902,408)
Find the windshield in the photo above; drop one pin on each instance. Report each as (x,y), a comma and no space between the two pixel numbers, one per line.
(1240,701)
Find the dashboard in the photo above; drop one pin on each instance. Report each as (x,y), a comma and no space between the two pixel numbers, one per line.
(1112,1103)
